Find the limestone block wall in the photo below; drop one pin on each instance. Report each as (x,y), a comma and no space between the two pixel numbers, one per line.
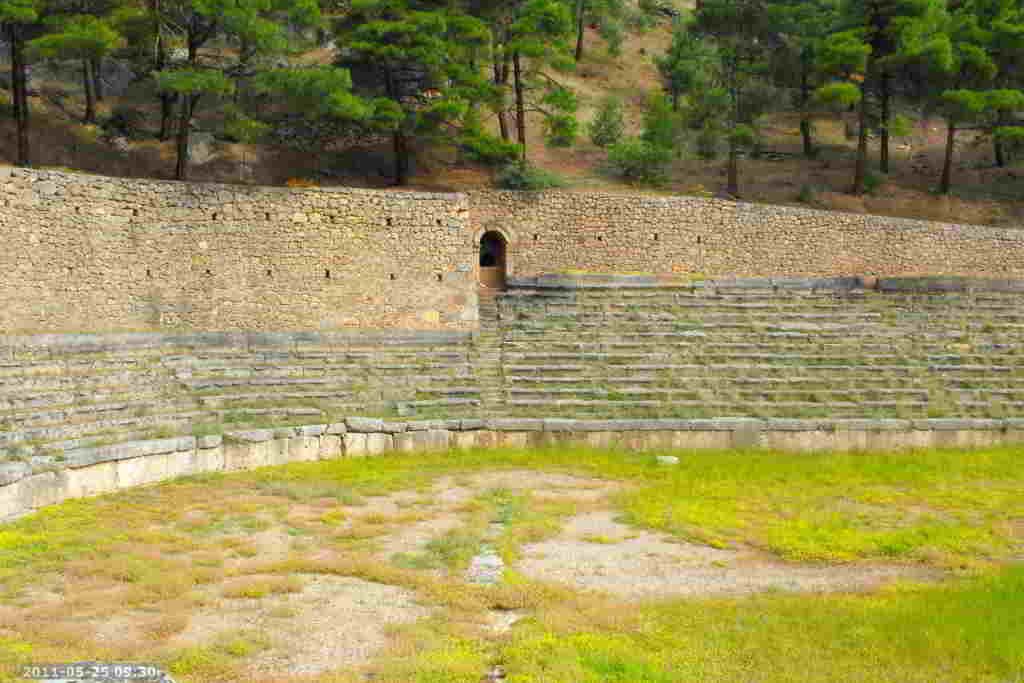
(94,254)
(96,471)
(554,232)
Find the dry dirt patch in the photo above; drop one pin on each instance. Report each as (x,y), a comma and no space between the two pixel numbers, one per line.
(450,495)
(335,622)
(594,551)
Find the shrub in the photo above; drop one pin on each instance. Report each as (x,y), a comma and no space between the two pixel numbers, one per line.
(608,126)
(873,181)
(708,142)
(639,161)
(807,195)
(661,124)
(126,120)
(522,175)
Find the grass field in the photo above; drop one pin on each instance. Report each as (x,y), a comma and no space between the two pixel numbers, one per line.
(136,575)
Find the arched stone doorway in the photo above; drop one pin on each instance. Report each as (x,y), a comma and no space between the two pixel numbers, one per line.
(493,260)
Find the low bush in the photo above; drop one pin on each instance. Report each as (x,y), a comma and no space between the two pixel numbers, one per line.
(640,162)
(522,175)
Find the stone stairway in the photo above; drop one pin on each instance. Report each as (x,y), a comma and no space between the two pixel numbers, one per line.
(756,349)
(488,357)
(704,350)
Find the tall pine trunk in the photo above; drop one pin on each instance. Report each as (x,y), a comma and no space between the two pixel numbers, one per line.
(167,101)
(947,164)
(90,92)
(160,62)
(501,81)
(860,166)
(19,94)
(401,146)
(580,12)
(399,142)
(805,116)
(885,95)
(732,166)
(97,78)
(188,105)
(732,185)
(520,102)
(244,57)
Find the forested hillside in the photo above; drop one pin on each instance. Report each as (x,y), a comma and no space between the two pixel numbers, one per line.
(903,107)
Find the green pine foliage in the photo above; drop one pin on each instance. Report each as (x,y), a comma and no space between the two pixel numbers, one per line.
(639,161)
(661,125)
(609,123)
(523,176)
(84,37)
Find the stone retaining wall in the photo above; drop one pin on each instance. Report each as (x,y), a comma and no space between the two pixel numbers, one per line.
(95,471)
(95,254)
(554,232)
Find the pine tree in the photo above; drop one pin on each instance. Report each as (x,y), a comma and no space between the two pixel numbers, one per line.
(323,95)
(1006,19)
(420,56)
(801,27)
(257,26)
(688,64)
(661,125)
(961,72)
(884,35)
(537,39)
(16,16)
(740,31)
(83,37)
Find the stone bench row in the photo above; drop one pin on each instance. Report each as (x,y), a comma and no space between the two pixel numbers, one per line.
(248,342)
(755,369)
(871,380)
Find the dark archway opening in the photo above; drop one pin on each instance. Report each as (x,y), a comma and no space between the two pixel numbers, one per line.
(492,260)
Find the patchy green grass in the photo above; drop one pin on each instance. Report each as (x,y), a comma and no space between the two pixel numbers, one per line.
(452,550)
(219,659)
(947,507)
(973,631)
(165,549)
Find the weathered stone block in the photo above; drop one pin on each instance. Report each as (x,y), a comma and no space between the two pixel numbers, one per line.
(379,443)
(91,480)
(11,472)
(250,436)
(364,425)
(209,441)
(303,449)
(514,424)
(355,444)
(331,446)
